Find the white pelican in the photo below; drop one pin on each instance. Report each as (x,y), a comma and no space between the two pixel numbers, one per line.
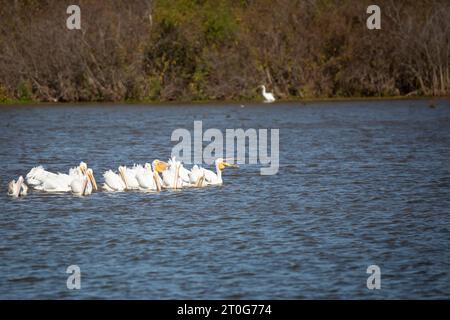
(159,167)
(54,183)
(184,175)
(38,175)
(114,181)
(268,96)
(197,177)
(43,180)
(211,178)
(129,177)
(147,178)
(176,172)
(171,175)
(19,188)
(135,178)
(83,185)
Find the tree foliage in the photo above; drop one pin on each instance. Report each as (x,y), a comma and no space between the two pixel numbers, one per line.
(203,49)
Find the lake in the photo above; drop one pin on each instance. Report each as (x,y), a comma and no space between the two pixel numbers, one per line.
(360,183)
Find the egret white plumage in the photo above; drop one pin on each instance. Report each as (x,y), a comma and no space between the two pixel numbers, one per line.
(268,96)
(19,188)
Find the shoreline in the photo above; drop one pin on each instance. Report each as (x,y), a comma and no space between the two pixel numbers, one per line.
(221,102)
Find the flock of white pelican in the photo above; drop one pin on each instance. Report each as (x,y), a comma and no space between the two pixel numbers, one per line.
(148,177)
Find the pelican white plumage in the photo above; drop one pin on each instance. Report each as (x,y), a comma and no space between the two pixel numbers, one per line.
(147,179)
(38,175)
(183,174)
(171,176)
(19,188)
(114,181)
(41,179)
(197,177)
(268,96)
(167,171)
(23,189)
(159,167)
(176,172)
(84,184)
(129,177)
(54,184)
(144,176)
(136,178)
(215,178)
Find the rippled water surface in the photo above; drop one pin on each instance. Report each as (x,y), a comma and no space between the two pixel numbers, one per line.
(360,183)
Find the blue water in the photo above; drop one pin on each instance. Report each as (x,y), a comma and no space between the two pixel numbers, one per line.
(360,183)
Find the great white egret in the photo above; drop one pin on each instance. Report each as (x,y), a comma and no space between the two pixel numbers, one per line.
(268,96)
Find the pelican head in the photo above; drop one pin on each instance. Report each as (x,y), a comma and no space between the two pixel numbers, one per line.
(12,187)
(18,188)
(90,175)
(159,166)
(222,164)
(83,167)
(148,166)
(121,170)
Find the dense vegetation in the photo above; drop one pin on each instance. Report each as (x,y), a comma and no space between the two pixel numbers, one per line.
(144,50)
